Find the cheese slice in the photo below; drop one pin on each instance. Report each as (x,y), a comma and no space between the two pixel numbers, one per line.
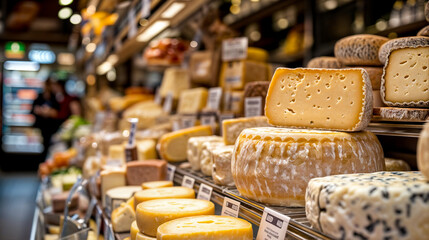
(111,179)
(175,81)
(146,149)
(134,230)
(206,158)
(159,193)
(156,184)
(231,128)
(382,205)
(393,165)
(234,75)
(192,100)
(274,165)
(221,158)
(206,227)
(122,218)
(116,196)
(194,149)
(141,236)
(332,99)
(173,146)
(423,151)
(151,214)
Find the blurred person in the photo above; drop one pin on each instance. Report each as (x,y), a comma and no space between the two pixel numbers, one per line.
(68,105)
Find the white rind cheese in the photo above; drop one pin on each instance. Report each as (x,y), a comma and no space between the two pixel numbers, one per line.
(359,50)
(423,151)
(221,172)
(382,205)
(194,149)
(205,157)
(274,165)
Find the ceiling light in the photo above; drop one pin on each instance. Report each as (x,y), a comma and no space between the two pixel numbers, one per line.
(111,75)
(113,59)
(65,2)
(153,30)
(143,22)
(255,36)
(42,56)
(193,44)
(65,13)
(104,68)
(234,9)
(90,10)
(66,59)
(381,25)
(75,19)
(282,23)
(21,66)
(90,79)
(172,10)
(331,4)
(91,47)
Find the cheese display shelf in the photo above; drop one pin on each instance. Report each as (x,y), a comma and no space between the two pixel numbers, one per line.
(396,128)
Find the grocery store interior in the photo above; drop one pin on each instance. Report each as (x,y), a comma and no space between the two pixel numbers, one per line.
(231,108)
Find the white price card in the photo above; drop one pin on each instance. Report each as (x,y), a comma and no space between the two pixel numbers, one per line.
(171,169)
(188,121)
(205,192)
(234,49)
(273,225)
(168,103)
(208,120)
(215,95)
(253,106)
(230,207)
(188,182)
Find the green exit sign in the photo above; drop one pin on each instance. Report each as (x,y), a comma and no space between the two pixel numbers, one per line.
(14,50)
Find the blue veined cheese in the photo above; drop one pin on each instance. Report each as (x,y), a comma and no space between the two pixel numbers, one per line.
(194,149)
(274,165)
(381,205)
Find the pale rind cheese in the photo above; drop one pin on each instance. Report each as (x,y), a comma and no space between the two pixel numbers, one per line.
(159,193)
(205,157)
(381,205)
(328,99)
(111,179)
(141,236)
(324,62)
(399,43)
(192,100)
(194,149)
(156,184)
(122,218)
(393,165)
(231,128)
(423,151)
(134,230)
(116,196)
(207,228)
(221,158)
(274,165)
(151,214)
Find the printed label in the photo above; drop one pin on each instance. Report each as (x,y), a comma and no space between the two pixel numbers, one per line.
(168,103)
(215,95)
(273,225)
(188,121)
(188,182)
(253,106)
(230,207)
(171,169)
(205,192)
(234,49)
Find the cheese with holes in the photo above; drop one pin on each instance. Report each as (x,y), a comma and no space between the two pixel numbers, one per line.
(173,146)
(234,75)
(141,236)
(423,151)
(116,196)
(156,184)
(374,74)
(324,62)
(134,230)
(382,205)
(205,157)
(221,158)
(194,149)
(207,228)
(159,193)
(122,218)
(231,128)
(332,99)
(175,81)
(111,179)
(274,165)
(393,165)
(146,149)
(399,43)
(192,100)
(151,214)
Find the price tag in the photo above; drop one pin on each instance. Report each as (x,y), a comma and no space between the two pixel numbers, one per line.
(234,49)
(168,103)
(273,225)
(227,103)
(215,94)
(252,106)
(208,120)
(188,182)
(188,121)
(158,98)
(205,192)
(132,27)
(230,207)
(171,169)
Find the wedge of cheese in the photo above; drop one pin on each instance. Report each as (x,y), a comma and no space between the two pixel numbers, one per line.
(221,158)
(206,227)
(274,165)
(156,184)
(146,149)
(329,99)
(160,193)
(194,149)
(192,100)
(234,75)
(122,218)
(116,196)
(231,128)
(423,151)
(175,81)
(151,214)
(173,146)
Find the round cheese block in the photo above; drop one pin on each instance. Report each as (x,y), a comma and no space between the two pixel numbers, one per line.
(324,62)
(151,214)
(423,151)
(424,32)
(382,205)
(141,236)
(361,49)
(206,227)
(393,165)
(159,193)
(156,184)
(374,74)
(398,43)
(134,230)
(274,165)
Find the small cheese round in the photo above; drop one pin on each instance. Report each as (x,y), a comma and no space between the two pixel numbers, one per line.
(361,49)
(156,184)
(159,193)
(423,151)
(393,165)
(207,228)
(398,43)
(141,236)
(424,32)
(325,62)
(151,214)
(134,230)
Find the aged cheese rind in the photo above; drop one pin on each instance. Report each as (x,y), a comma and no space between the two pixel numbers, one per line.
(423,151)
(332,99)
(156,184)
(427,11)
(424,32)
(398,43)
(325,62)
(159,193)
(231,128)
(410,114)
(393,165)
(274,165)
(206,162)
(207,228)
(151,214)
(194,149)
(382,205)
(221,158)
(359,50)
(139,172)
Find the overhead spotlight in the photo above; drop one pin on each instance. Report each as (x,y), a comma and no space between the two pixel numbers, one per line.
(111,75)
(65,2)
(65,13)
(91,47)
(255,36)
(282,23)
(90,79)
(193,44)
(234,9)
(75,19)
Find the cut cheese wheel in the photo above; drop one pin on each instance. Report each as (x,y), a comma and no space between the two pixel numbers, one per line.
(325,62)
(175,81)
(206,158)
(359,50)
(159,193)
(172,146)
(207,228)
(122,218)
(151,214)
(393,165)
(116,196)
(424,32)
(141,236)
(156,184)
(374,74)
(404,114)
(382,205)
(333,99)
(231,128)
(399,43)
(134,230)
(221,158)
(194,149)
(274,165)
(423,151)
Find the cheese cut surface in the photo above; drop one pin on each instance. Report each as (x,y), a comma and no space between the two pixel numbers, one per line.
(231,128)
(399,43)
(134,230)
(206,162)
(194,149)
(146,149)
(141,236)
(151,214)
(159,193)
(175,81)
(405,82)
(116,196)
(221,158)
(332,99)
(117,152)
(274,165)
(234,75)
(206,228)
(173,146)
(324,62)
(156,184)
(111,179)
(122,218)
(382,205)
(192,100)
(423,151)
(393,165)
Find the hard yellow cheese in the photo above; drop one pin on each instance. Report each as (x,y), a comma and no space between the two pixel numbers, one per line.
(122,218)
(192,100)
(146,149)
(159,193)
(156,184)
(141,236)
(111,179)
(231,128)
(134,230)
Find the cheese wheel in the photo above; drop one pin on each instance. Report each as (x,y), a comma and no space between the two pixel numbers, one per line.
(194,149)
(325,62)
(398,43)
(207,228)
(151,214)
(141,236)
(221,158)
(159,193)
(404,114)
(382,205)
(274,165)
(374,74)
(156,184)
(361,49)
(424,32)
(134,230)
(231,128)
(393,165)
(257,54)
(423,151)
